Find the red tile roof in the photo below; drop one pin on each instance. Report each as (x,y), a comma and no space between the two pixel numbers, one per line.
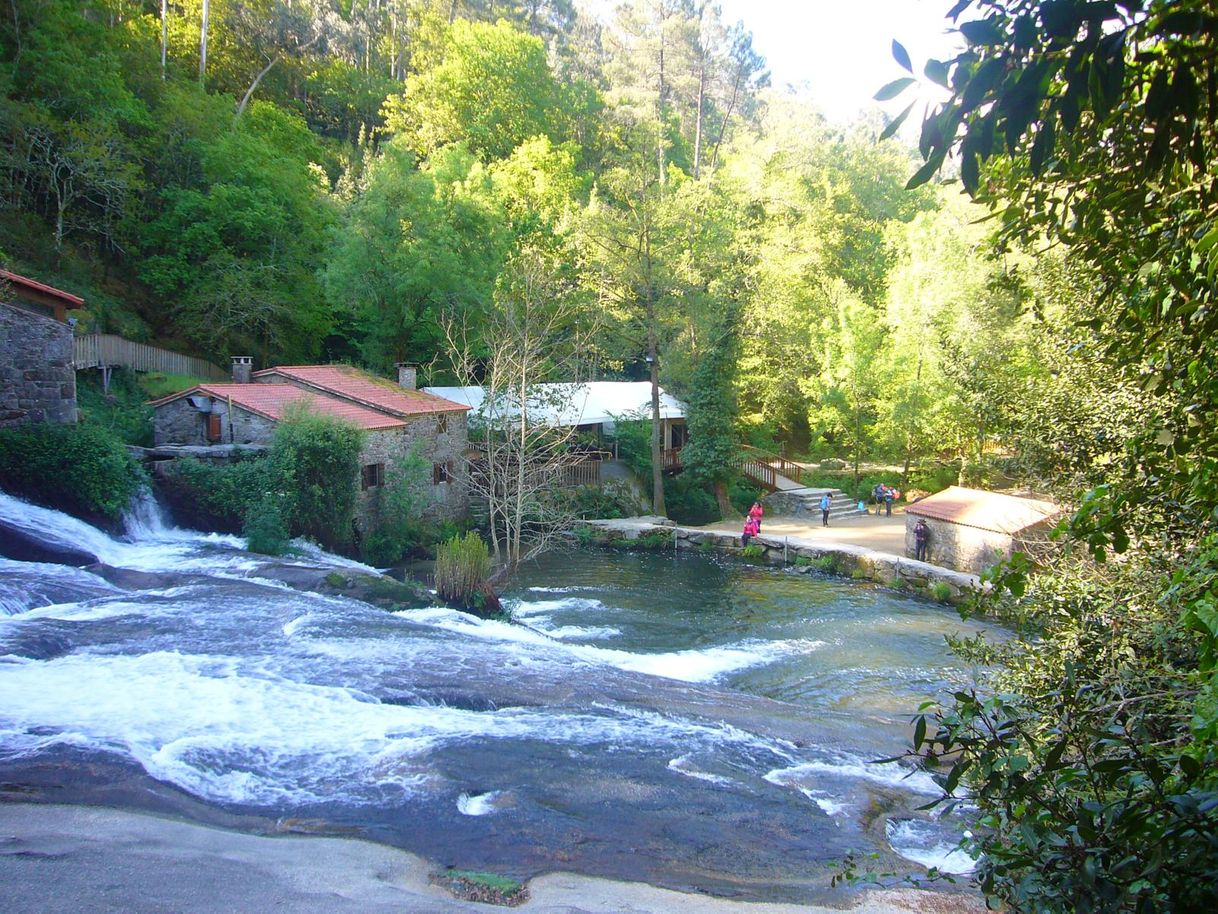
(984,510)
(362,387)
(70,300)
(273,400)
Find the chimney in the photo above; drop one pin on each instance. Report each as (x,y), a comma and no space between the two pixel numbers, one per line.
(408,376)
(243,365)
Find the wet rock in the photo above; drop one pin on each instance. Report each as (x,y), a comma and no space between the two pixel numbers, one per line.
(21,546)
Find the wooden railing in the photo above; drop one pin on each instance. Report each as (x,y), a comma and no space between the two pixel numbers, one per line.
(671,458)
(102,350)
(764,467)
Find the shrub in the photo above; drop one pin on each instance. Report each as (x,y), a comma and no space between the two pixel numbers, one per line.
(752,551)
(655,540)
(609,500)
(689,501)
(315,460)
(463,570)
(827,564)
(265,527)
(939,590)
(398,527)
(82,470)
(217,496)
(121,410)
(801,561)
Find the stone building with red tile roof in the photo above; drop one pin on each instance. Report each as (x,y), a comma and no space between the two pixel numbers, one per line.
(972,530)
(397,420)
(37,375)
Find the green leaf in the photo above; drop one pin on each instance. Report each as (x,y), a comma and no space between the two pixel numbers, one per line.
(936,72)
(901,55)
(894,88)
(982,32)
(925,173)
(895,124)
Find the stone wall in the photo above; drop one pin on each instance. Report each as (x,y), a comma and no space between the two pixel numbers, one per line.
(799,555)
(422,434)
(178,422)
(956,546)
(37,379)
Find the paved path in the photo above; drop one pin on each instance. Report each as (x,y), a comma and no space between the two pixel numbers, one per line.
(73,859)
(883,534)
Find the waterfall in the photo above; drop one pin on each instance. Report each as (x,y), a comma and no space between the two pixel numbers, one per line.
(145,518)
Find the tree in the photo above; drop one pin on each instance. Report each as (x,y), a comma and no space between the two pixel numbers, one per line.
(536,356)
(493,90)
(1094,759)
(710,456)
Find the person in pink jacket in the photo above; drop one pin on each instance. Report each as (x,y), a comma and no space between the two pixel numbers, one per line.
(755,513)
(751,529)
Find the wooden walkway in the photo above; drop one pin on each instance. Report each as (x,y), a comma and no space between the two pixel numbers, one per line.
(105,351)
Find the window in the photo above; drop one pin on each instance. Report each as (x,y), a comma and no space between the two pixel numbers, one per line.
(442,425)
(213,427)
(373,475)
(442,472)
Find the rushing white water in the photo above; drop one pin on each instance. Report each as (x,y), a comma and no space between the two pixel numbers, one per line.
(930,845)
(244,692)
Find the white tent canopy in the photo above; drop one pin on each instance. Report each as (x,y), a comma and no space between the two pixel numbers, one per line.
(593,403)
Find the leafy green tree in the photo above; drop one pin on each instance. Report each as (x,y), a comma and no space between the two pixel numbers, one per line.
(493,90)
(414,245)
(1094,761)
(710,456)
(315,465)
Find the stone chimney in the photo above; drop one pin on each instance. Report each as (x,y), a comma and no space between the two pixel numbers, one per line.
(408,376)
(243,366)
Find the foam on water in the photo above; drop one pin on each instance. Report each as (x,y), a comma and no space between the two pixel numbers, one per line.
(925,843)
(478,804)
(705,665)
(236,731)
(27,585)
(841,765)
(683,765)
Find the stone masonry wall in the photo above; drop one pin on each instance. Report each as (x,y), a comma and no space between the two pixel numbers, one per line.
(451,499)
(37,379)
(179,422)
(955,546)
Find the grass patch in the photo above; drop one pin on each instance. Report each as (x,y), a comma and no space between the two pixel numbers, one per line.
(940,590)
(826,564)
(802,561)
(653,540)
(485,888)
(752,551)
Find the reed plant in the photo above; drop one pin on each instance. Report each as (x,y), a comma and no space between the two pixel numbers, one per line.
(463,571)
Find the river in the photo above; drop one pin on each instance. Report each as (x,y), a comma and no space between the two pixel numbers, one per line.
(677,720)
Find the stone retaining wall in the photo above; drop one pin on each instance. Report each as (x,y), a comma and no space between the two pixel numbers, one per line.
(801,555)
(37,379)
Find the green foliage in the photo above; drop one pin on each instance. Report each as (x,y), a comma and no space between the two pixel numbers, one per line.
(940,591)
(82,470)
(398,526)
(493,90)
(633,437)
(653,541)
(689,500)
(463,570)
(217,496)
(315,464)
(752,551)
(121,411)
(710,455)
(265,526)
(605,501)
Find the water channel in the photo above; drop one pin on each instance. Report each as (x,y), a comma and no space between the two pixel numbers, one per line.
(671,719)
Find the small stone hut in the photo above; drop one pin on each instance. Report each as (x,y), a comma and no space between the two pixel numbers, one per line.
(971,530)
(397,418)
(37,376)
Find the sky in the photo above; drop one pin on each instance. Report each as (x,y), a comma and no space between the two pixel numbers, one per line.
(840,51)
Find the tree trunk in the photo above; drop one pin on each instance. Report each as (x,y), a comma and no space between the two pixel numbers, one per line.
(203,40)
(657,455)
(726,510)
(726,116)
(245,100)
(698,123)
(164,36)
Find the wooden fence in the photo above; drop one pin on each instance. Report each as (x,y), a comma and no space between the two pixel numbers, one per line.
(102,350)
(765,468)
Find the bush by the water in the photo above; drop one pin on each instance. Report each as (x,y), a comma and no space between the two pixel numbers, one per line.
(304,486)
(463,571)
(78,469)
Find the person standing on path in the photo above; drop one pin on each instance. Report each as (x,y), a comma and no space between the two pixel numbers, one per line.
(756,513)
(825,502)
(921,540)
(888,494)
